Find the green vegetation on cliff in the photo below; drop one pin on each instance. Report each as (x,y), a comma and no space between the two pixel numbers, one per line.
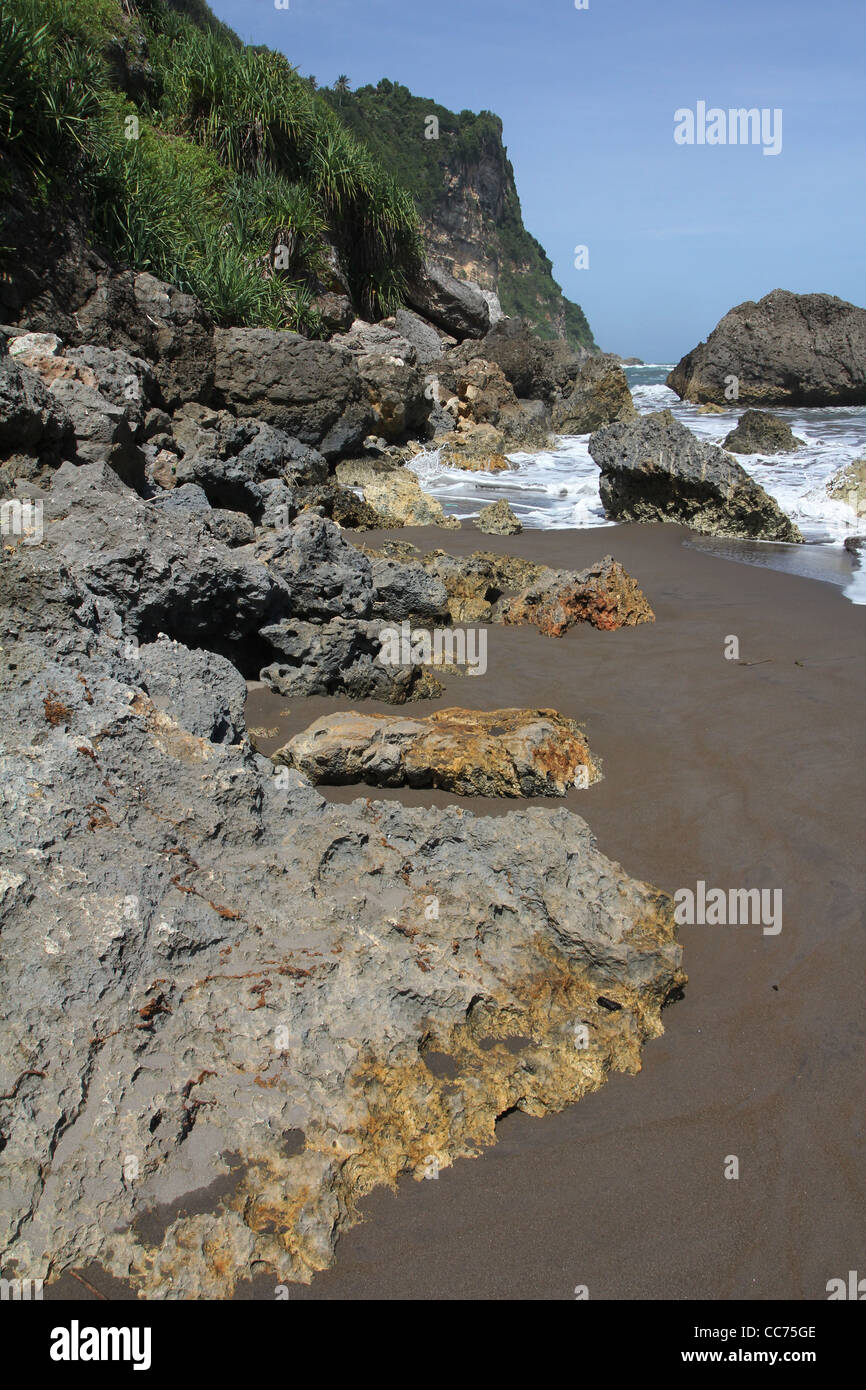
(194,156)
(463,185)
(217,167)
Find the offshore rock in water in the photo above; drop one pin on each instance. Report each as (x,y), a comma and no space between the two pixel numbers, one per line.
(654,469)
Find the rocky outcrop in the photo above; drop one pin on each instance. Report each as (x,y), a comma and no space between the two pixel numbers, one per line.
(509,752)
(498,520)
(340,657)
(654,469)
(536,368)
(311,390)
(786,349)
(759,432)
(153,320)
(458,307)
(490,588)
(603,595)
(600,396)
(235,988)
(233,991)
(396,495)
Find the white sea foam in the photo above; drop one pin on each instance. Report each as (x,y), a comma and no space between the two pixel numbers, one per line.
(558,489)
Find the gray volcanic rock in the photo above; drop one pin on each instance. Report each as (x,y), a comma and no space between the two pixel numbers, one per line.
(162,572)
(340,658)
(759,432)
(214,956)
(31,418)
(407,591)
(505,752)
(151,319)
(102,430)
(426,343)
(380,338)
(654,469)
(311,390)
(600,396)
(786,349)
(457,306)
(125,380)
(200,690)
(327,577)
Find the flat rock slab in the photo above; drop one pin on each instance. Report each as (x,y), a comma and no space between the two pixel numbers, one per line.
(507,752)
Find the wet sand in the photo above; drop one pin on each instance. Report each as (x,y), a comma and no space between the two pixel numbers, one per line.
(743,775)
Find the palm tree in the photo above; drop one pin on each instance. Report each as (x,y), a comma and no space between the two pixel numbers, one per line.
(342,86)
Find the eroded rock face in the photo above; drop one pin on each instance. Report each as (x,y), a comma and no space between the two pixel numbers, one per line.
(310,390)
(489,588)
(786,349)
(603,595)
(215,958)
(759,432)
(654,469)
(510,752)
(600,395)
(340,657)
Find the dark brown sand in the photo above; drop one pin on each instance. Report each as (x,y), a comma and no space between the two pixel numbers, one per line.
(744,775)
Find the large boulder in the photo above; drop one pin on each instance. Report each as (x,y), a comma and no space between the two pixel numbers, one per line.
(311,390)
(759,432)
(396,395)
(654,469)
(427,343)
(327,577)
(160,571)
(151,319)
(786,349)
(506,752)
(601,395)
(32,420)
(341,657)
(457,306)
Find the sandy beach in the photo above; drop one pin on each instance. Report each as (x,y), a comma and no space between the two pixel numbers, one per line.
(741,774)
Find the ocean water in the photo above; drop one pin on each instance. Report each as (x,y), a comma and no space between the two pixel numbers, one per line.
(558,489)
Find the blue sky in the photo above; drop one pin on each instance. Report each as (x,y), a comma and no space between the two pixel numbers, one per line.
(677,234)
